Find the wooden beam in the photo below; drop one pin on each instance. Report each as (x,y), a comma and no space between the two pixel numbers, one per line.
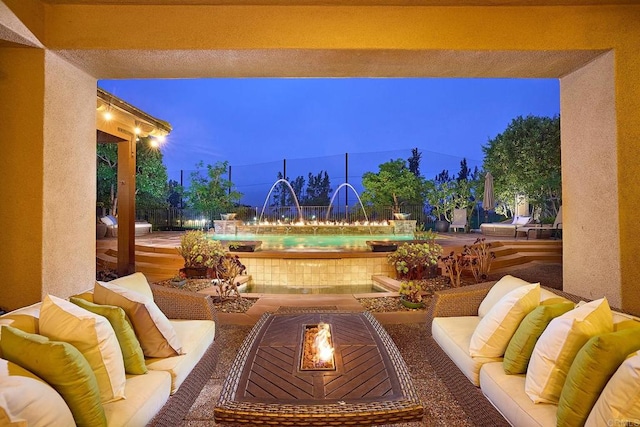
(126,205)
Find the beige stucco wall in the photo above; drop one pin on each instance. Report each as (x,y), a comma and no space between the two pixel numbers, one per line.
(21,163)
(69,185)
(591,256)
(179,41)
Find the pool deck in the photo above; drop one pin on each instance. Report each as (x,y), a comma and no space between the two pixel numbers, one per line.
(167,240)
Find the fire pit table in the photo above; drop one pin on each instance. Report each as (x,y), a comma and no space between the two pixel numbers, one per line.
(367,382)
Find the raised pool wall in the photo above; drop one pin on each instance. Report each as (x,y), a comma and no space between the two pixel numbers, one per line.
(326,269)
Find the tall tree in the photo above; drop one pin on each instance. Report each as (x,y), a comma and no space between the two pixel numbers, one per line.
(393,185)
(414,161)
(318,189)
(174,193)
(525,160)
(210,191)
(151,176)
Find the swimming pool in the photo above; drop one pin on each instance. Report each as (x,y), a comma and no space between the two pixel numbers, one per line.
(310,242)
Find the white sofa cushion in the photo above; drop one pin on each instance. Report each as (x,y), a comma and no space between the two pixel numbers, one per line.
(453,335)
(93,335)
(493,333)
(619,402)
(558,345)
(502,287)
(196,336)
(506,393)
(26,400)
(146,394)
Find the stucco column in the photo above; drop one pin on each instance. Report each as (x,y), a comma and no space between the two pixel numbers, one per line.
(21,162)
(48,182)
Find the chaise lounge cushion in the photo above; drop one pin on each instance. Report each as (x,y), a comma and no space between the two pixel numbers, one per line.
(558,345)
(507,394)
(196,336)
(26,400)
(453,335)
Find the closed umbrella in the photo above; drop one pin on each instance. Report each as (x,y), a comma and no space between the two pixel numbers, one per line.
(488,200)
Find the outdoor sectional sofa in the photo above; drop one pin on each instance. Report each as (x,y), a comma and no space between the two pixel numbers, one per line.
(161,396)
(597,366)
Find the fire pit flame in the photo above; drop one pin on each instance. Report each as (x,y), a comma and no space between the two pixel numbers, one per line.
(322,346)
(317,348)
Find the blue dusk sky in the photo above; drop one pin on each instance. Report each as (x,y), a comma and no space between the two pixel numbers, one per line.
(256,123)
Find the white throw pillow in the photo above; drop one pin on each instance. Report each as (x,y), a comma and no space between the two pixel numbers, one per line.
(619,402)
(93,335)
(493,333)
(26,400)
(154,331)
(136,282)
(502,287)
(558,345)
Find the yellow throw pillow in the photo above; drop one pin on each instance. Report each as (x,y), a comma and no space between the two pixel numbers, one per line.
(619,402)
(590,371)
(154,331)
(626,324)
(493,333)
(62,366)
(93,335)
(132,354)
(502,287)
(518,352)
(558,345)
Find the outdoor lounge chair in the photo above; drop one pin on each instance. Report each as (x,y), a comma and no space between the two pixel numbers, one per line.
(459,219)
(508,228)
(141,227)
(556,228)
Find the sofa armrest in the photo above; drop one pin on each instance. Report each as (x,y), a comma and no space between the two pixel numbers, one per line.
(463,301)
(181,304)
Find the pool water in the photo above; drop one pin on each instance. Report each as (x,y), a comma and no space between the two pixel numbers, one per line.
(297,242)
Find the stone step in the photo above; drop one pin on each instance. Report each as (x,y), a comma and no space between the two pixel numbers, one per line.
(523,258)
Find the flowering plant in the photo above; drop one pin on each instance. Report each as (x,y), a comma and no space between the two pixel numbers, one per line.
(198,251)
(415,260)
(412,291)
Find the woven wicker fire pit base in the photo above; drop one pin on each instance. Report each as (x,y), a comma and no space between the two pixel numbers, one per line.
(370,385)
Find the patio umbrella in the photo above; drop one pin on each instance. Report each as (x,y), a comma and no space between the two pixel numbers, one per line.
(488,200)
